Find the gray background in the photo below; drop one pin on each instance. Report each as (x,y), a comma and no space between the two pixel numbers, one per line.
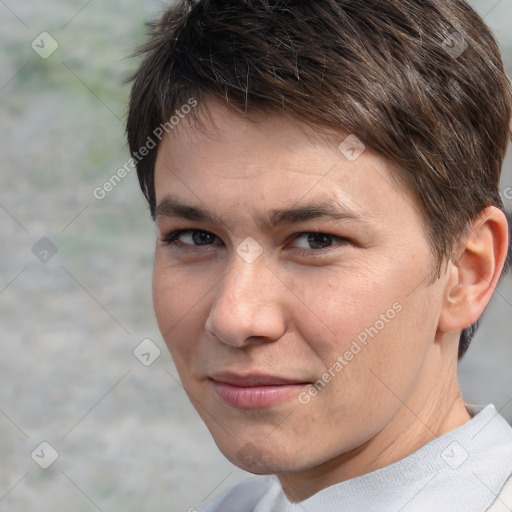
(126,436)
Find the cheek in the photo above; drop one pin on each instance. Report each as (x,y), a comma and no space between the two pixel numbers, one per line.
(335,308)
(178,300)
(363,322)
(361,333)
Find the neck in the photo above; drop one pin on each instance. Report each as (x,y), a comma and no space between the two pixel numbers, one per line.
(433,410)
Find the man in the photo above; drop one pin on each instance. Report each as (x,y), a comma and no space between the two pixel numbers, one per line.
(330,229)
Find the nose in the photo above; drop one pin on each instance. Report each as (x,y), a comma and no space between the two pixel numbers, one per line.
(247,307)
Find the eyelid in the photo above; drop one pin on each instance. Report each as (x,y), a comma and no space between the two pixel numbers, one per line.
(171,240)
(337,241)
(172,236)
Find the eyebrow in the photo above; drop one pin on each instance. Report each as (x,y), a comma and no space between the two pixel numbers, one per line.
(172,207)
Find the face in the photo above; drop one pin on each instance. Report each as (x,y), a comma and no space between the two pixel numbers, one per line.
(291,286)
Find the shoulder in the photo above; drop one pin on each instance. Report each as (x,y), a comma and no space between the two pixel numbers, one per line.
(503,502)
(242,497)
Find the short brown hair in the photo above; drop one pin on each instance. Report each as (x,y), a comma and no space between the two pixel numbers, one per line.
(420,81)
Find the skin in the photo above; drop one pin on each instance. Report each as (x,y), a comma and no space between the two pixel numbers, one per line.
(294,310)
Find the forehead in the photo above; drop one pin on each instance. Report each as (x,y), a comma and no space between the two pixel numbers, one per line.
(230,162)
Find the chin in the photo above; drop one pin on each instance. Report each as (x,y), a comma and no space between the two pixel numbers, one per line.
(257,457)
(259,463)
(262,457)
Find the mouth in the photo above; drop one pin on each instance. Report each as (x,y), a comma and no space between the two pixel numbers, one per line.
(255,391)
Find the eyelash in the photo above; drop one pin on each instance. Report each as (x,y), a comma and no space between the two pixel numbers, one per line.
(172,239)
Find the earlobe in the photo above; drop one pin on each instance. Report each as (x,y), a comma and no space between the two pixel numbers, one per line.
(474,274)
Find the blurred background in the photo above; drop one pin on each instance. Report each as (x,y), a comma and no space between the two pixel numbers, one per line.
(75,272)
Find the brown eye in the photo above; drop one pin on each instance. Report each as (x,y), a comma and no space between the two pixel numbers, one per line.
(316,240)
(194,237)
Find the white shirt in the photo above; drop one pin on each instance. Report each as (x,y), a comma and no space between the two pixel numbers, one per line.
(465,470)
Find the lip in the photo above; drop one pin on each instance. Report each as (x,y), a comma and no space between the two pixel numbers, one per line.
(254,391)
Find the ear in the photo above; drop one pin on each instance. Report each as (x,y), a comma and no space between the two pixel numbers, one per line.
(474,275)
